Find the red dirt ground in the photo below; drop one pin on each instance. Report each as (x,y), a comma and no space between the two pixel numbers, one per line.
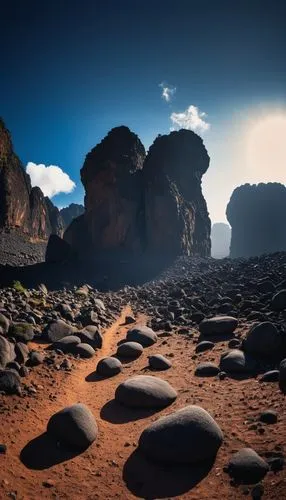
(105,469)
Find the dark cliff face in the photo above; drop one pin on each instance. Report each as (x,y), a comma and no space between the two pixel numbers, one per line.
(22,207)
(71,212)
(111,177)
(135,205)
(176,215)
(256,214)
(220,238)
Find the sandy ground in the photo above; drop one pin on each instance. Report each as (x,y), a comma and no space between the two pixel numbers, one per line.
(33,468)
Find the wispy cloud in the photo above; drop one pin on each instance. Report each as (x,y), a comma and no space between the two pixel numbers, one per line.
(168,91)
(192,119)
(51,179)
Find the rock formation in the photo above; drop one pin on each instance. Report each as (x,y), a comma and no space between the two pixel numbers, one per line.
(71,212)
(21,206)
(220,238)
(257,216)
(135,205)
(176,215)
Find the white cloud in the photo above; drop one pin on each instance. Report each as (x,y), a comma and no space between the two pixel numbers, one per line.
(192,119)
(51,179)
(168,91)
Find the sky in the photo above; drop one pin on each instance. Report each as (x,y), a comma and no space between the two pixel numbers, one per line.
(71,71)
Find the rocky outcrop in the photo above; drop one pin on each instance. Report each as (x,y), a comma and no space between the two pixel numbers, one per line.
(71,212)
(256,214)
(220,238)
(136,205)
(22,207)
(176,215)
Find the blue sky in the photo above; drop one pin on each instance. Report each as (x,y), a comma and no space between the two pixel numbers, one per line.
(70,71)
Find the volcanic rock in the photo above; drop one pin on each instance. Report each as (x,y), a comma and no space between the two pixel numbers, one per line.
(107,367)
(56,330)
(159,362)
(144,391)
(129,350)
(263,340)
(218,325)
(206,369)
(4,324)
(205,345)
(278,302)
(189,435)
(67,344)
(7,352)
(256,214)
(233,361)
(10,382)
(247,467)
(75,426)
(143,335)
(84,350)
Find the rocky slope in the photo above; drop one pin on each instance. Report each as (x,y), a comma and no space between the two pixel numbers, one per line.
(71,212)
(136,205)
(209,370)
(256,214)
(23,210)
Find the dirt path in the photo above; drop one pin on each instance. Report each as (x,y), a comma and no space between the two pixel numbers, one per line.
(103,470)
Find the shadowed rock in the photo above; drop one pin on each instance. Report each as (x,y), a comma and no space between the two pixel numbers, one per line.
(247,467)
(143,335)
(256,214)
(144,391)
(71,212)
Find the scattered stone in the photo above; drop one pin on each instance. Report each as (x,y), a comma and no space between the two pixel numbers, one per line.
(205,345)
(143,335)
(10,382)
(108,367)
(23,332)
(247,467)
(144,391)
(7,352)
(270,376)
(233,361)
(129,350)
(35,358)
(67,344)
(4,324)
(159,362)
(56,330)
(218,325)
(263,340)
(84,351)
(189,435)
(206,369)
(74,426)
(268,417)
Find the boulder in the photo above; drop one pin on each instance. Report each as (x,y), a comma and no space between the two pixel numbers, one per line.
(247,467)
(203,346)
(144,391)
(67,344)
(206,369)
(57,330)
(143,335)
(278,302)
(91,336)
(189,435)
(108,367)
(4,324)
(35,358)
(218,325)
(233,361)
(263,340)
(22,332)
(129,350)
(159,362)
(270,376)
(10,382)
(74,426)
(84,351)
(7,352)
(58,250)
(22,352)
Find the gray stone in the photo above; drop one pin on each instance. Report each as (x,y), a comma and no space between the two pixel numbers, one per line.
(7,352)
(57,330)
(22,352)
(130,350)
(206,369)
(233,361)
(75,426)
(91,335)
(218,325)
(205,345)
(189,435)
(159,362)
(247,467)
(23,332)
(278,302)
(35,358)
(107,367)
(4,324)
(263,340)
(10,382)
(84,350)
(67,344)
(143,335)
(270,376)
(144,391)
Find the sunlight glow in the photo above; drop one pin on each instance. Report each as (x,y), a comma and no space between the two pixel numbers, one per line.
(266,149)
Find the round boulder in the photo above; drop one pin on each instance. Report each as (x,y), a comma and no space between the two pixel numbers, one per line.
(233,361)
(67,344)
(84,351)
(22,332)
(57,330)
(189,435)
(218,325)
(7,352)
(144,391)
(268,417)
(143,335)
(278,302)
(108,367)
(263,340)
(270,376)
(74,425)
(4,324)
(206,369)
(10,382)
(159,362)
(129,350)
(203,346)
(247,467)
